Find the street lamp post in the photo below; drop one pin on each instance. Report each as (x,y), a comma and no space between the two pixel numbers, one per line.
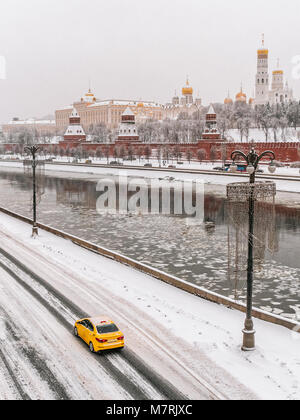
(33,151)
(252,159)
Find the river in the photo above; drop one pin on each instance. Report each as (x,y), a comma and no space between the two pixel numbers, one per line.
(197,252)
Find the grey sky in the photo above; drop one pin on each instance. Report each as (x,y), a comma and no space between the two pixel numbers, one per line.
(132,49)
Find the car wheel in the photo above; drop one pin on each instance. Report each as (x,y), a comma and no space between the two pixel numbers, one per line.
(75,332)
(91,347)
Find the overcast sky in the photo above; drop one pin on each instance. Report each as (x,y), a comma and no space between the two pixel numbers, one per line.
(137,49)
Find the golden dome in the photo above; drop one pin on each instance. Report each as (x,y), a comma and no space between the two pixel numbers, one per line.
(89,93)
(263,52)
(241,96)
(187,90)
(251,100)
(140,105)
(228,100)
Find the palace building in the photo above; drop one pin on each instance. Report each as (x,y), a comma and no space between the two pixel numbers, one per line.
(107,112)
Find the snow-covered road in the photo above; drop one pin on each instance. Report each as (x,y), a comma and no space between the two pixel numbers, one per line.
(42,359)
(177,344)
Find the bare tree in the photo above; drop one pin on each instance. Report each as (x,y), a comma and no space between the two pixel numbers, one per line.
(201,155)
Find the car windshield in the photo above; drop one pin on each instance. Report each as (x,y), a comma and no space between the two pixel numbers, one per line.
(108,328)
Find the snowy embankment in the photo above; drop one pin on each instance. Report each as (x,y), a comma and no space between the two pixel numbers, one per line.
(213,179)
(161,323)
(258,135)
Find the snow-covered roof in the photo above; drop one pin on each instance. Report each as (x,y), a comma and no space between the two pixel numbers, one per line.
(122,102)
(65,108)
(31,121)
(74,130)
(211,110)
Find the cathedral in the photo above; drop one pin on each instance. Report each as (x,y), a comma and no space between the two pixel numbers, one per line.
(187,104)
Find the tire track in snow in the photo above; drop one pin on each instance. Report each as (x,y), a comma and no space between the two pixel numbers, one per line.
(32,356)
(13,377)
(165,389)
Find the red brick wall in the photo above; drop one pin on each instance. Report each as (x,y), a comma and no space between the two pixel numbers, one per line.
(285,152)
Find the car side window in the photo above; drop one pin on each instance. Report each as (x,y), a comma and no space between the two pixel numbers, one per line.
(90,326)
(83,323)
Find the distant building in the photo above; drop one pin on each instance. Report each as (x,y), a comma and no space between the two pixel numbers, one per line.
(279,91)
(107,112)
(187,104)
(38,127)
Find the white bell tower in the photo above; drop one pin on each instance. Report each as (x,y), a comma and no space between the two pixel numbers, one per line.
(262,76)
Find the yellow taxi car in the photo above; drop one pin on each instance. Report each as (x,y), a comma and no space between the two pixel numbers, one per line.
(99,333)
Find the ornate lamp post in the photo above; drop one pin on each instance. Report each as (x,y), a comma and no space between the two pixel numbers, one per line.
(252,159)
(33,151)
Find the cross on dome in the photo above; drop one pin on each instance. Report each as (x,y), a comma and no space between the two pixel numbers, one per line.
(187,90)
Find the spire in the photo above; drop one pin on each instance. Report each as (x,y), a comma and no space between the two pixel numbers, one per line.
(263,40)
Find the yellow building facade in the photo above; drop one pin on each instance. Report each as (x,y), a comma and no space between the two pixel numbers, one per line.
(107,112)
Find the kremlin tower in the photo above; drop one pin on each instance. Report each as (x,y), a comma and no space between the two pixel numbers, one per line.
(74,132)
(211,131)
(127,129)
